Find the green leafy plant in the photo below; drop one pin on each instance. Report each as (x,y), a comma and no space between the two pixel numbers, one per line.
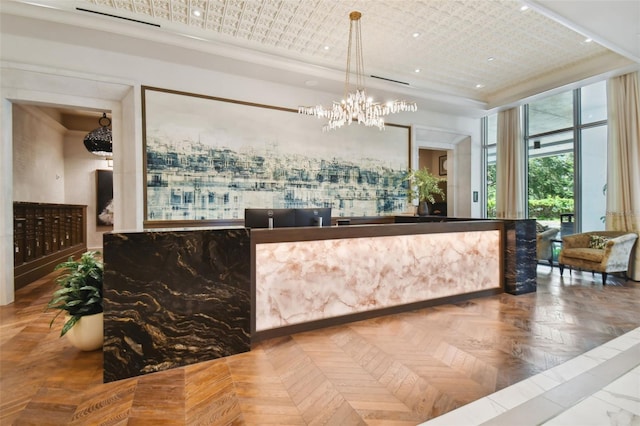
(423,185)
(550,208)
(81,289)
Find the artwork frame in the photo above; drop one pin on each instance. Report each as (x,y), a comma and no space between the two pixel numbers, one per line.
(104,198)
(442,165)
(200,155)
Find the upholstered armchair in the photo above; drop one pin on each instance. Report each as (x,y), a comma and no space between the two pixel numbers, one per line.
(598,251)
(544,248)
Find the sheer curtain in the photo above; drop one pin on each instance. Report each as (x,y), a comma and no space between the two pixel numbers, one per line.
(510,166)
(623,171)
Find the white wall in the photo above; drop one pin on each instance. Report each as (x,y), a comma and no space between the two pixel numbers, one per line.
(37,68)
(467,161)
(80,183)
(38,156)
(430,158)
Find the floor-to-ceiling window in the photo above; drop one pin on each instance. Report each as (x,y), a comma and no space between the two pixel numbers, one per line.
(490,137)
(592,128)
(566,138)
(549,135)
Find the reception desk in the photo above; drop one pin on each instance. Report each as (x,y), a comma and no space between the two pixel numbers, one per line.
(177,297)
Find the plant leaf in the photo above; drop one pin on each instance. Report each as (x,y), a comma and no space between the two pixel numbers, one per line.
(70,323)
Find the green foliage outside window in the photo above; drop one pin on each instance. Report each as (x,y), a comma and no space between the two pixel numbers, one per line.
(550,208)
(550,187)
(491,190)
(551,177)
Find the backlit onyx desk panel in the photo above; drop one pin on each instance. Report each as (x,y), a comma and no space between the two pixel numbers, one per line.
(305,278)
(519,249)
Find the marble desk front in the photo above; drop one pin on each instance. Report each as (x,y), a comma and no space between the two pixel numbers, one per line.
(174,298)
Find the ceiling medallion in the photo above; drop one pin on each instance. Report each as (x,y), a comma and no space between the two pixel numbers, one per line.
(356,105)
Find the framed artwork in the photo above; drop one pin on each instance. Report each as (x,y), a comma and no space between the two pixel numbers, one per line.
(104,204)
(209,158)
(442,165)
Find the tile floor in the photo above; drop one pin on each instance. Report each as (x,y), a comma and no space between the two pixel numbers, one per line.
(600,388)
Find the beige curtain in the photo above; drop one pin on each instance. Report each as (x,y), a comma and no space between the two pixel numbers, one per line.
(510,166)
(623,171)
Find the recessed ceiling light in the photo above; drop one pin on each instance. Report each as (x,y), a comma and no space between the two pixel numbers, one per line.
(417,70)
(192,36)
(479,86)
(524,7)
(196,12)
(326,47)
(415,35)
(588,40)
(35,3)
(491,58)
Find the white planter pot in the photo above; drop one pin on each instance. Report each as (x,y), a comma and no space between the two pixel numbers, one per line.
(87,334)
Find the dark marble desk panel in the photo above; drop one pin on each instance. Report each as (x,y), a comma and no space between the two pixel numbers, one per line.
(520,256)
(174,298)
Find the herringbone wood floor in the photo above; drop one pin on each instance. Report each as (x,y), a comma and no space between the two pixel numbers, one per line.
(396,370)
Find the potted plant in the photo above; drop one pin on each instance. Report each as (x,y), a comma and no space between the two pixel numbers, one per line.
(423,185)
(80,297)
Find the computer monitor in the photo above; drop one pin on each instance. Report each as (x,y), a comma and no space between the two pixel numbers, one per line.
(269,218)
(313,217)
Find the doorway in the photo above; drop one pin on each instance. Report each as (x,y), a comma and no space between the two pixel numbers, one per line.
(436,161)
(54,89)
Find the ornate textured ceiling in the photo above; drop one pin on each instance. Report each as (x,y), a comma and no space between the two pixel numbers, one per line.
(461,44)
(482,50)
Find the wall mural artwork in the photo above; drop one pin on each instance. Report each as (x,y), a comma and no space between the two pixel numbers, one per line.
(210,158)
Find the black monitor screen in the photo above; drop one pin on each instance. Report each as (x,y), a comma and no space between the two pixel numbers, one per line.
(261,218)
(312,217)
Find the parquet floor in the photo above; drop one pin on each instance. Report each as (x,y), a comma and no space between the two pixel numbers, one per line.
(396,370)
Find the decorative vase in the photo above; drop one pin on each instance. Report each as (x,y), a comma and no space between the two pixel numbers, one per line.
(87,334)
(423,208)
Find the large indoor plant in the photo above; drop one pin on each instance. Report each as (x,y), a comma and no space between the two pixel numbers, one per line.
(80,297)
(423,186)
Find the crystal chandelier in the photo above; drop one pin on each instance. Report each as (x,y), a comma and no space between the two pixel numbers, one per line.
(356,105)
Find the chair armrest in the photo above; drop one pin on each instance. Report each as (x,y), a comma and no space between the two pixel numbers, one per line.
(547,234)
(543,243)
(618,249)
(626,238)
(622,244)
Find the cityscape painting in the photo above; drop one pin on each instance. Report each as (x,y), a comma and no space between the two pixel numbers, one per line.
(210,158)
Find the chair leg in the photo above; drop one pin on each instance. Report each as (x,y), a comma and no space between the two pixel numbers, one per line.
(561,266)
(604,278)
(551,262)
